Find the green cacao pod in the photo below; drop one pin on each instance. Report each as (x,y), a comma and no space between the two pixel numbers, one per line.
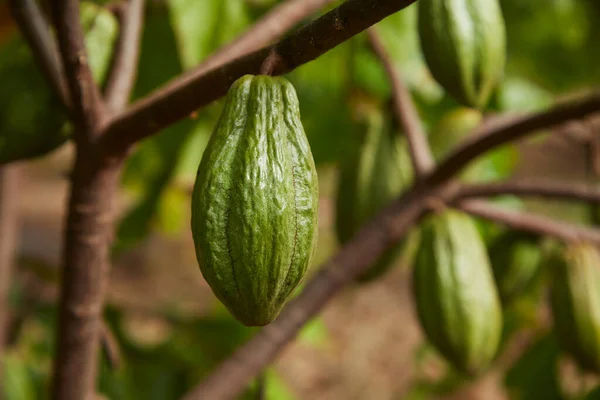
(463,42)
(370,177)
(457,302)
(31,122)
(516,259)
(575,301)
(255,200)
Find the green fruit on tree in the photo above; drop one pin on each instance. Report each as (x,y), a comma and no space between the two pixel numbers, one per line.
(255,200)
(371,176)
(516,259)
(456,299)
(575,301)
(463,42)
(32,123)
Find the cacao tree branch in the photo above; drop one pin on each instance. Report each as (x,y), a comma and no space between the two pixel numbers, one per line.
(199,87)
(9,197)
(123,71)
(420,153)
(503,130)
(84,276)
(389,226)
(566,191)
(36,31)
(85,96)
(530,222)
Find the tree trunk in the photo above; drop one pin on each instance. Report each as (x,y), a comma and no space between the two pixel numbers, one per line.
(87,236)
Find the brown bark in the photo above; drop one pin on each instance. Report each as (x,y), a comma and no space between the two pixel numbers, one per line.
(9,185)
(85,275)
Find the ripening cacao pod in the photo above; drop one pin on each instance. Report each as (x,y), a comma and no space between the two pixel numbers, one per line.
(463,42)
(456,299)
(32,123)
(255,200)
(575,301)
(371,176)
(516,259)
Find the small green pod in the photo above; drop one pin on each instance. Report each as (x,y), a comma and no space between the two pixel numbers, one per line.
(575,302)
(456,299)
(255,200)
(376,172)
(516,259)
(463,42)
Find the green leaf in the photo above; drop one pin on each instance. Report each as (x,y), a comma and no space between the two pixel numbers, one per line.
(17,381)
(534,375)
(203,26)
(102,30)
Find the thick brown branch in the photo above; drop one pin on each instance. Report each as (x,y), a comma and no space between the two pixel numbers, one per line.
(36,30)
(530,222)
(389,226)
(199,87)
(502,131)
(9,205)
(84,93)
(124,67)
(84,277)
(421,156)
(565,191)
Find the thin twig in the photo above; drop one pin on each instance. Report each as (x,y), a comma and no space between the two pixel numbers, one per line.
(84,93)
(421,156)
(389,226)
(530,222)
(9,205)
(110,346)
(566,191)
(124,67)
(36,30)
(199,87)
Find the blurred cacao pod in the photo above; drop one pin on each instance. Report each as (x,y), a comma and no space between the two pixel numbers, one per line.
(374,174)
(255,200)
(575,301)
(516,259)
(456,299)
(463,42)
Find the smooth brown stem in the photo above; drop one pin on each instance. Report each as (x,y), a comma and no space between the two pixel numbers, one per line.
(84,93)
(36,30)
(9,210)
(405,110)
(530,222)
(558,190)
(84,279)
(123,71)
(199,87)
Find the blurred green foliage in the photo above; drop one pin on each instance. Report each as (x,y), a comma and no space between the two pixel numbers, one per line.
(552,51)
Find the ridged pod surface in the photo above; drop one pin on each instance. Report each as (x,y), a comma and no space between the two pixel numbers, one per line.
(575,301)
(456,299)
(463,42)
(255,200)
(374,174)
(516,258)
